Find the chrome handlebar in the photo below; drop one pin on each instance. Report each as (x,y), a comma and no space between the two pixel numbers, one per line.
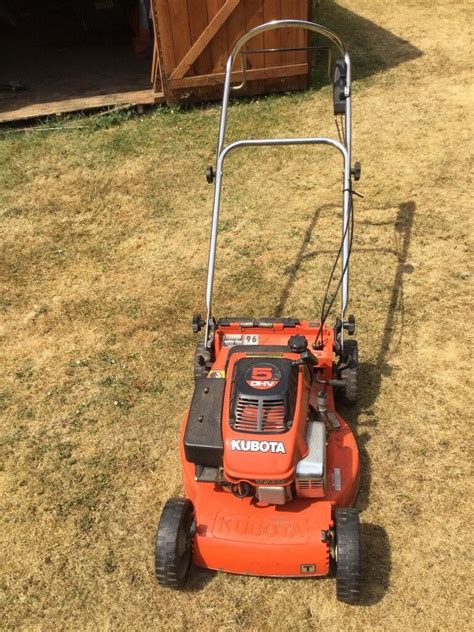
(344,148)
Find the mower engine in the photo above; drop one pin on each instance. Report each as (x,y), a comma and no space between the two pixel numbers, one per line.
(268,442)
(270,451)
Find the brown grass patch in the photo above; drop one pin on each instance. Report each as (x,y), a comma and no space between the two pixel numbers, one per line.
(103,262)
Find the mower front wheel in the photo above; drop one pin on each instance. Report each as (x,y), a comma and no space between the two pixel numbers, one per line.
(174,542)
(347,554)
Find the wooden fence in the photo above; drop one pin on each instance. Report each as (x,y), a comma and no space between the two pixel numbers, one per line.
(193,39)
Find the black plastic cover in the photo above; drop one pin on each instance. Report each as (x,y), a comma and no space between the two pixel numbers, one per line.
(263,382)
(203,435)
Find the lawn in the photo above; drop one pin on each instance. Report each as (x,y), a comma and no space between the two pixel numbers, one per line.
(104,235)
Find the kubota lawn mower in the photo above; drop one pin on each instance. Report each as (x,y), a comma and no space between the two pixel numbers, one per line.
(270,467)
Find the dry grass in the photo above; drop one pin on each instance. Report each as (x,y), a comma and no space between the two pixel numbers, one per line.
(104,253)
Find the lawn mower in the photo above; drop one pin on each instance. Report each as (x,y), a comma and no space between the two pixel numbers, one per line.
(270,467)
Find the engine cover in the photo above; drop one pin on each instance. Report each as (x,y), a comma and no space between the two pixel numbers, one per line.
(267,400)
(263,395)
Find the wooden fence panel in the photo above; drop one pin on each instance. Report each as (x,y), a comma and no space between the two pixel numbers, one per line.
(235,28)
(165,34)
(198,21)
(196,37)
(272,39)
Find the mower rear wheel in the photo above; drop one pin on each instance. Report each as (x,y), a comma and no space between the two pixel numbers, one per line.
(174,542)
(349,374)
(347,554)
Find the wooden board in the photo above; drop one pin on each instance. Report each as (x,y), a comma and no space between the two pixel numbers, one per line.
(253,75)
(142,97)
(210,32)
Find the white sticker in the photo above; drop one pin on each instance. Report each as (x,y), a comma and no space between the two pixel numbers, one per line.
(251,339)
(230,340)
(308,568)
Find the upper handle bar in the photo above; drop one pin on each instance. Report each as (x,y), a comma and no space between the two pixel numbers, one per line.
(269,26)
(344,147)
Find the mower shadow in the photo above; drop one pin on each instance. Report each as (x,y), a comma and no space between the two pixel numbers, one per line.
(376,549)
(198,579)
(375,542)
(376,563)
(371,374)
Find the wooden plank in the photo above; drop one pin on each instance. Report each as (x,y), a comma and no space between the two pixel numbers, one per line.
(198,21)
(154,64)
(218,46)
(272,39)
(140,97)
(180,28)
(254,17)
(254,74)
(289,38)
(165,35)
(303,39)
(157,78)
(235,29)
(302,35)
(155,61)
(204,39)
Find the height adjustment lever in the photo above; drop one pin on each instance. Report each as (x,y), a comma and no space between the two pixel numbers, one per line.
(198,323)
(210,174)
(356,171)
(350,324)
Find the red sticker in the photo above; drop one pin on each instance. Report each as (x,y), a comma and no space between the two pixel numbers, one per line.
(263,376)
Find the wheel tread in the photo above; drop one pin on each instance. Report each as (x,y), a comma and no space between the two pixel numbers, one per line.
(348,575)
(166,567)
(350,373)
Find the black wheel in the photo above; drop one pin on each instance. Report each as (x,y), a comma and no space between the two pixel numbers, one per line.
(174,542)
(347,554)
(348,372)
(201,361)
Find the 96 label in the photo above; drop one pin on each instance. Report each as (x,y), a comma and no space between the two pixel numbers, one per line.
(251,339)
